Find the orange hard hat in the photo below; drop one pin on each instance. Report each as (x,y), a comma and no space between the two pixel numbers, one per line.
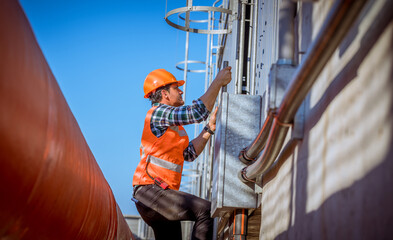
(159,78)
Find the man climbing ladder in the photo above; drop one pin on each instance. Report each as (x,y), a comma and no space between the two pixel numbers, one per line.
(164,148)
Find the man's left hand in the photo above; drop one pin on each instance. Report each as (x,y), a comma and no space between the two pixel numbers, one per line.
(212,121)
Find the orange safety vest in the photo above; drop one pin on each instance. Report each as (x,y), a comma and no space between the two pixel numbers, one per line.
(163,156)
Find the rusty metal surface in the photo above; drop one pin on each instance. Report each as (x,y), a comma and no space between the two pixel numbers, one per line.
(50,184)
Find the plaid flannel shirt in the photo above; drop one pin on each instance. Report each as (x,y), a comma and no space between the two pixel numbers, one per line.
(164,116)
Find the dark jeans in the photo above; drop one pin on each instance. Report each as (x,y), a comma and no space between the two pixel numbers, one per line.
(164,209)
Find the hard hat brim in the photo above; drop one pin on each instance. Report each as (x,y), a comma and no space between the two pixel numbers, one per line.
(179,83)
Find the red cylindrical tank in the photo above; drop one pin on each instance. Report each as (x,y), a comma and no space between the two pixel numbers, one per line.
(50,184)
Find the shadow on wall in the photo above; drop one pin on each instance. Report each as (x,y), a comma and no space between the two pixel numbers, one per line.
(306,31)
(364,210)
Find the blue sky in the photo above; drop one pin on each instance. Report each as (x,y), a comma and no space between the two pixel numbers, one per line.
(100,53)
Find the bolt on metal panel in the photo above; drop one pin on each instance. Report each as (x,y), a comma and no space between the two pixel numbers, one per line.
(238,123)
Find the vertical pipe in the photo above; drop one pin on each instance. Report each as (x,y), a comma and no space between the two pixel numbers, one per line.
(210,161)
(240,224)
(241,47)
(250,31)
(211,68)
(286,32)
(254,48)
(203,176)
(187,25)
(185,67)
(208,52)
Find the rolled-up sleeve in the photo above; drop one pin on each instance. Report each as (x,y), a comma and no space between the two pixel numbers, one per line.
(165,116)
(183,115)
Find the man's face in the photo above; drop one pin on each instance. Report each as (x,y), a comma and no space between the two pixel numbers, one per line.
(175,96)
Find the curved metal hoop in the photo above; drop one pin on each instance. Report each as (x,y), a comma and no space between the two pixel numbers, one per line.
(197,9)
(189,70)
(194,21)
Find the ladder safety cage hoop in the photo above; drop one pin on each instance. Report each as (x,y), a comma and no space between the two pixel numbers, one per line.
(197,9)
(189,70)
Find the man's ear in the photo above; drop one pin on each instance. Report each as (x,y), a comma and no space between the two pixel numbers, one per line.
(164,93)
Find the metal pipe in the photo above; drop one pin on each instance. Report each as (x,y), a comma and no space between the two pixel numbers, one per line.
(250,32)
(250,153)
(274,144)
(338,22)
(240,220)
(285,153)
(254,47)
(186,64)
(241,47)
(286,37)
(187,26)
(51,186)
(208,52)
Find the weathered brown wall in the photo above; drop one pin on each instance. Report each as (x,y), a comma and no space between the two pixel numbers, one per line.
(338,183)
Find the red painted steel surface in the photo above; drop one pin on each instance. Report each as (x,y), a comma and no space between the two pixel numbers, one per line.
(50,184)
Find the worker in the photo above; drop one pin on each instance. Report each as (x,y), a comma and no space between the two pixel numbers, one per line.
(164,148)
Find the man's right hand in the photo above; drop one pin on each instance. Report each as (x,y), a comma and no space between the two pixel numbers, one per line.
(224,76)
(222,79)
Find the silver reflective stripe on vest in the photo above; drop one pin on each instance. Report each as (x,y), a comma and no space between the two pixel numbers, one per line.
(181,133)
(164,164)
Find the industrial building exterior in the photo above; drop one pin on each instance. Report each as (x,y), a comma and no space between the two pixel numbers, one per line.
(304,143)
